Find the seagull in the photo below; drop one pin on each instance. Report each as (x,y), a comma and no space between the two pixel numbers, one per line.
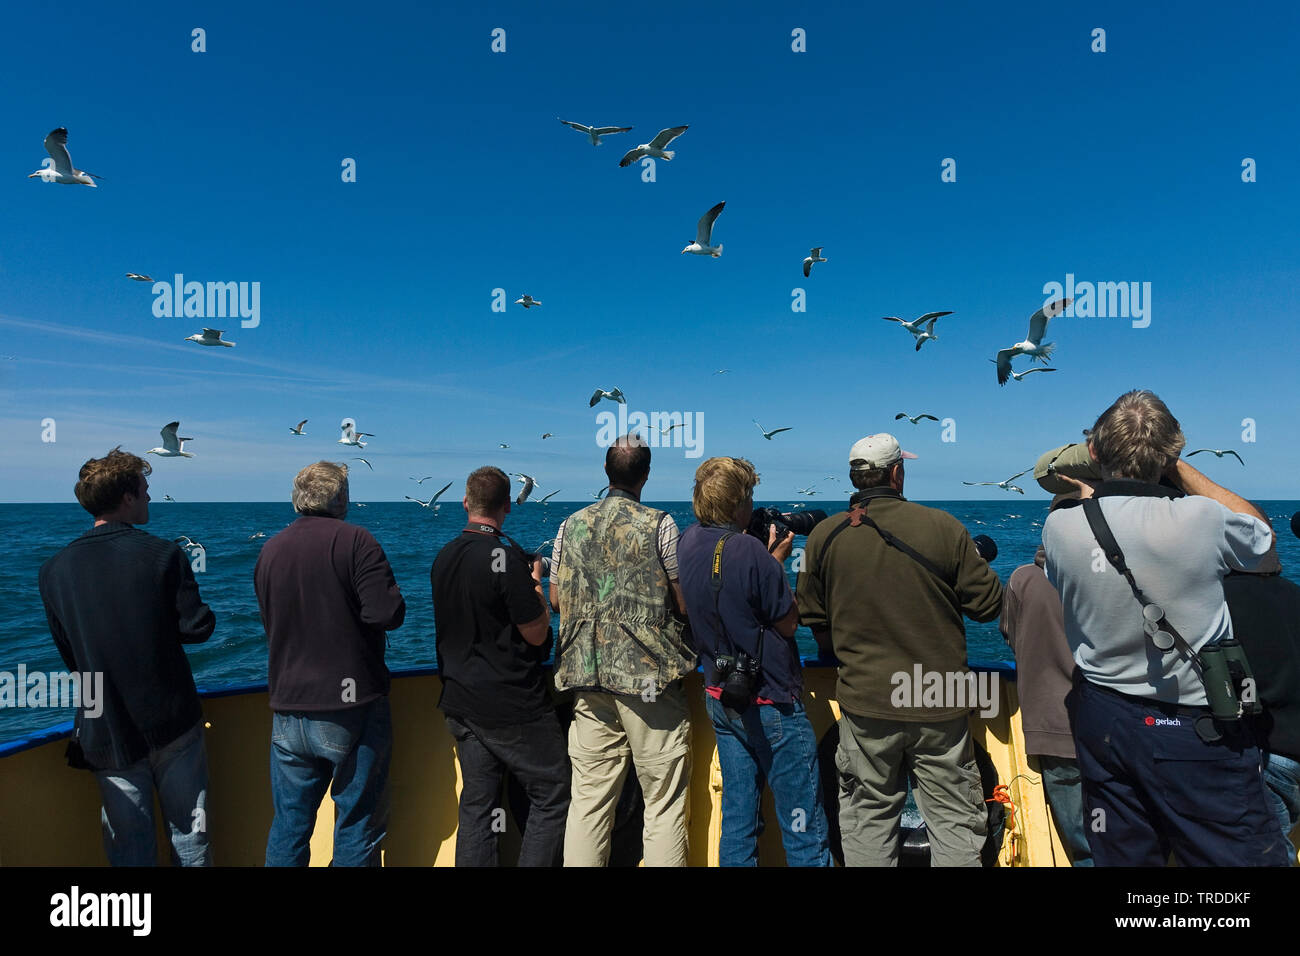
(186,543)
(1004,485)
(209,337)
(807,491)
(168,498)
(529,482)
(502,444)
(139,278)
(551,495)
(915,326)
(426,504)
(722,371)
(596,132)
(56,144)
(704,235)
(814,256)
(1217,452)
(768,434)
(527,301)
(257,534)
(420,481)
(368,465)
(655,147)
(601,493)
(665,431)
(298,429)
(614,395)
(172,447)
(350,434)
(914,418)
(1019,375)
(547,435)
(1031,346)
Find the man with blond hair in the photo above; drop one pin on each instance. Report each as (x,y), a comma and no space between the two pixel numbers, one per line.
(1159,773)
(743,619)
(327,598)
(120,603)
(623,651)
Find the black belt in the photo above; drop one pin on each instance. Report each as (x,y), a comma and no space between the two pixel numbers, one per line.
(1177,710)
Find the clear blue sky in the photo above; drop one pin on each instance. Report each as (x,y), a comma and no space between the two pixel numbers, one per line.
(376,295)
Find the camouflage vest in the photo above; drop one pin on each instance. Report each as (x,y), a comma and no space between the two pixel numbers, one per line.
(618,633)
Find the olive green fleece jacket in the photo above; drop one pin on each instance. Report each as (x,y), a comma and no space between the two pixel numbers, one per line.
(885,612)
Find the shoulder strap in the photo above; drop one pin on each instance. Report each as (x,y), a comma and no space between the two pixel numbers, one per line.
(858,516)
(715,582)
(1106,538)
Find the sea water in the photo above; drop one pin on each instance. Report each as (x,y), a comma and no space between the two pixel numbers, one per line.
(411,536)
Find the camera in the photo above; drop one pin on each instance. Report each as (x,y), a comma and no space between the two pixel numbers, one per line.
(985,547)
(739,677)
(800,522)
(546,563)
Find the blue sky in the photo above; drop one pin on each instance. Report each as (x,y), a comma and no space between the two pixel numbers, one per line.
(376,295)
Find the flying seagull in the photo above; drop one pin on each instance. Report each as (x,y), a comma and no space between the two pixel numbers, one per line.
(596,132)
(350,434)
(1217,452)
(186,543)
(914,418)
(1029,371)
(614,395)
(814,256)
(807,491)
(209,337)
(768,434)
(56,144)
(527,301)
(601,493)
(916,326)
(426,504)
(551,495)
(529,483)
(172,447)
(1004,485)
(704,235)
(1032,345)
(420,481)
(139,278)
(257,534)
(502,444)
(655,147)
(368,465)
(665,431)
(297,430)
(547,435)
(168,498)
(722,371)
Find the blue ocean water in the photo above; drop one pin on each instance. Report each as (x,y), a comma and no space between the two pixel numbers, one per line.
(411,536)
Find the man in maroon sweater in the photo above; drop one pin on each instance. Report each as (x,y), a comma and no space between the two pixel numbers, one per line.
(327,597)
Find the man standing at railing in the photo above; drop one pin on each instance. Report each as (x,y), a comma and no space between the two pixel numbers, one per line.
(121,603)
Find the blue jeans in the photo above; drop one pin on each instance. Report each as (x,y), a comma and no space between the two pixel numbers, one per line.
(1282,779)
(180,772)
(1064,790)
(773,742)
(350,749)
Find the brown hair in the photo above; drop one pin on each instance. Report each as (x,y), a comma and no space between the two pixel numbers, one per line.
(627,461)
(863,478)
(721,486)
(102,482)
(487,490)
(1137,437)
(321,489)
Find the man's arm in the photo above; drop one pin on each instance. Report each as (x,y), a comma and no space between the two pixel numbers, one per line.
(381,599)
(534,630)
(1009,619)
(555,564)
(195,620)
(1194,483)
(666,541)
(978,587)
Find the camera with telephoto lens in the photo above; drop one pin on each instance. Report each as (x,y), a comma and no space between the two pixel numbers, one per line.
(738,676)
(800,522)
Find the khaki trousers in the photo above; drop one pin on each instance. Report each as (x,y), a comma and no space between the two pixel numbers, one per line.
(874,758)
(606,730)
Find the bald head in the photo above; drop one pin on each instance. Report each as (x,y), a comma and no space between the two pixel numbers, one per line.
(627,462)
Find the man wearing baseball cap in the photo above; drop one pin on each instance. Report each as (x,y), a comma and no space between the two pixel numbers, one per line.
(885,586)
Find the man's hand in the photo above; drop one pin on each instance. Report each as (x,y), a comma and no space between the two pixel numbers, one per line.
(1085,487)
(537,570)
(781,550)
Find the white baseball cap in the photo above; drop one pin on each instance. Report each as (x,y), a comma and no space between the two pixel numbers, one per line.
(876,451)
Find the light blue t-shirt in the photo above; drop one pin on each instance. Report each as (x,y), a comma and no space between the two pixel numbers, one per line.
(1178,549)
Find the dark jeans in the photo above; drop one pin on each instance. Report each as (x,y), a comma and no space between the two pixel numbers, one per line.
(350,749)
(537,756)
(1151,785)
(1064,789)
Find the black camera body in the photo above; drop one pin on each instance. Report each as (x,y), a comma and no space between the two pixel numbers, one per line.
(739,676)
(800,522)
(546,563)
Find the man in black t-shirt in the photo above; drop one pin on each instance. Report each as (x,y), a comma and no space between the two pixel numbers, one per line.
(493,635)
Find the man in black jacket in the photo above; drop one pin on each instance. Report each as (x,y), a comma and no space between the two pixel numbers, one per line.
(120,603)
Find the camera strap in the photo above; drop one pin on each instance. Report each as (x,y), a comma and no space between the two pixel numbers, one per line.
(858,516)
(715,582)
(1153,615)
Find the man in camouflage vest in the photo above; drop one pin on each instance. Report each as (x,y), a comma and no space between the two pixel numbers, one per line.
(623,650)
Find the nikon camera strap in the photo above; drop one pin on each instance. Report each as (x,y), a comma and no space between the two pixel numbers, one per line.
(715,582)
(1154,620)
